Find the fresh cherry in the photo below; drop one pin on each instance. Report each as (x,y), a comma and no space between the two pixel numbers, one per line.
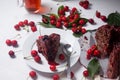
(81,3)
(33,28)
(83,31)
(34,53)
(25,22)
(61,12)
(81,22)
(64,18)
(98,14)
(74,25)
(11,53)
(62,56)
(89,52)
(96,53)
(14,43)
(21,23)
(72,74)
(31,23)
(88,57)
(8,42)
(53,22)
(86,73)
(58,24)
(52,17)
(85,6)
(56,77)
(74,10)
(37,58)
(86,2)
(74,29)
(66,24)
(32,74)
(66,8)
(52,67)
(93,47)
(44,20)
(76,16)
(103,18)
(17,27)
(91,21)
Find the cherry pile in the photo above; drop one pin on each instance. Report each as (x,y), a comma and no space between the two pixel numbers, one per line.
(85,4)
(102,17)
(13,43)
(25,25)
(72,20)
(92,52)
(35,55)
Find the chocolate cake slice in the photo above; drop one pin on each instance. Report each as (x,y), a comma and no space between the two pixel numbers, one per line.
(48,45)
(113,70)
(104,39)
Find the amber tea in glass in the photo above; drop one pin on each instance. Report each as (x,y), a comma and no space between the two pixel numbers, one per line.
(32,5)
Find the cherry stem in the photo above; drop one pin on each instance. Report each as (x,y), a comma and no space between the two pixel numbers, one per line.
(18,35)
(28,77)
(26,28)
(28,57)
(40,31)
(64,28)
(83,78)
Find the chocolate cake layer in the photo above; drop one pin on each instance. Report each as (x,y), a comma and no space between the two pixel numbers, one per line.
(48,45)
(113,70)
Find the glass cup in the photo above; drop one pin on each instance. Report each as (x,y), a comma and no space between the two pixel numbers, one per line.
(30,5)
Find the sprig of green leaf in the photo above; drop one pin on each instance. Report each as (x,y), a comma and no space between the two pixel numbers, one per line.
(93,67)
(46,25)
(114,19)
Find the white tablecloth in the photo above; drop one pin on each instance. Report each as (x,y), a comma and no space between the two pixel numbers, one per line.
(11,13)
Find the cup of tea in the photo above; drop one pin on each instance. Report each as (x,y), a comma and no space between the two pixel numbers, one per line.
(30,5)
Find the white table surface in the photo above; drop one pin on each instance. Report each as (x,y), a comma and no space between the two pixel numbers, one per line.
(10,14)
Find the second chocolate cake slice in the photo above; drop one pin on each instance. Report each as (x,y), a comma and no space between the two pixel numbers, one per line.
(48,45)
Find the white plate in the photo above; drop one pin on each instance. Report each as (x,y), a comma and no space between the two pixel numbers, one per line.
(85,45)
(66,37)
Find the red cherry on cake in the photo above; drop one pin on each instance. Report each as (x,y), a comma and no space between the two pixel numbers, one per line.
(34,53)
(52,67)
(56,77)
(37,58)
(8,42)
(32,74)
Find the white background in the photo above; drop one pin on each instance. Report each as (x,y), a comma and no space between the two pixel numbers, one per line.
(11,13)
